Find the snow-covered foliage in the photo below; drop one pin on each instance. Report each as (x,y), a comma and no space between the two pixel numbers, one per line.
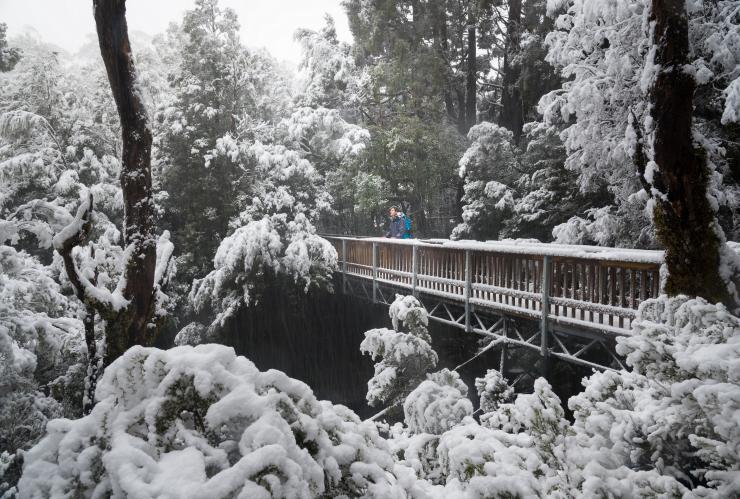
(665,429)
(487,202)
(42,354)
(47,155)
(41,348)
(59,142)
(603,52)
(402,359)
(275,235)
(493,390)
(515,191)
(673,411)
(328,68)
(437,404)
(203,422)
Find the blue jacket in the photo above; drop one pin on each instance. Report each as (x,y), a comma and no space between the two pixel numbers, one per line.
(397,227)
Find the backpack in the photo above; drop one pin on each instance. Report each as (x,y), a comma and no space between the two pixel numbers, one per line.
(407,221)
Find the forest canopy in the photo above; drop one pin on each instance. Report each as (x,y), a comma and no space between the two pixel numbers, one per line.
(153,189)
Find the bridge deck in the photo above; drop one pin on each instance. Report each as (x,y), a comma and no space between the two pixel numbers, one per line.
(578,287)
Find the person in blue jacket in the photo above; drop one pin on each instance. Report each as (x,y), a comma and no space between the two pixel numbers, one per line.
(399,227)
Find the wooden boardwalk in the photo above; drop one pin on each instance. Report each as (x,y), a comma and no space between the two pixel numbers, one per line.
(563,287)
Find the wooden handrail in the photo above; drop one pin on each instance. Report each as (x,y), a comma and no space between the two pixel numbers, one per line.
(584,286)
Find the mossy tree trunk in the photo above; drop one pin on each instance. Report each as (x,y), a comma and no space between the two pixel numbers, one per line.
(136,177)
(512,111)
(685,220)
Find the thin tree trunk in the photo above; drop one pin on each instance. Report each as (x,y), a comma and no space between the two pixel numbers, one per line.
(471,87)
(512,110)
(462,120)
(136,180)
(442,48)
(685,221)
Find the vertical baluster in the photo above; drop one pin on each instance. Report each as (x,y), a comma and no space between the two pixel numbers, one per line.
(612,291)
(602,290)
(507,284)
(544,327)
(518,279)
(591,273)
(467,291)
(526,280)
(567,281)
(344,265)
(622,293)
(578,311)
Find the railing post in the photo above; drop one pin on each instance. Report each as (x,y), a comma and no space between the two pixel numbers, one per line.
(544,334)
(344,266)
(375,272)
(502,359)
(468,286)
(414,271)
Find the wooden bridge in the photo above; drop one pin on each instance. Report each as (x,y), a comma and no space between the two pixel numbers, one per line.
(566,301)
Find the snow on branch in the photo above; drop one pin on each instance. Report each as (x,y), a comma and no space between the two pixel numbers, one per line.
(75,234)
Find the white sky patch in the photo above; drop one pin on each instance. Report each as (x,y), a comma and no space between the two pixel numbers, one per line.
(270,24)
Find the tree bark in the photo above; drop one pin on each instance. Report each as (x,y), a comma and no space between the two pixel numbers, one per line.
(136,179)
(685,221)
(512,109)
(471,87)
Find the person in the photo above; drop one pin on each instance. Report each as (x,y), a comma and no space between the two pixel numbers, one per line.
(397,227)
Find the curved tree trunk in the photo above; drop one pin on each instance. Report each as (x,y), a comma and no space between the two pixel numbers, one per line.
(136,180)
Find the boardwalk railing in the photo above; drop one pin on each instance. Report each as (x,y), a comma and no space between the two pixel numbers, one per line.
(582,287)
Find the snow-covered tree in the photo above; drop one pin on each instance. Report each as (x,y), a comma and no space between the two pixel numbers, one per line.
(402,359)
(275,237)
(220,89)
(515,191)
(9,56)
(601,49)
(42,350)
(329,69)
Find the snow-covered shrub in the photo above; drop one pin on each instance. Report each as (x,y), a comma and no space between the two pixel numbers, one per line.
(192,334)
(538,415)
(203,422)
(674,413)
(402,358)
(476,461)
(493,390)
(437,404)
(41,350)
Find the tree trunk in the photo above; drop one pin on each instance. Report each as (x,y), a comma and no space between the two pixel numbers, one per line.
(471,87)
(136,180)
(685,221)
(512,110)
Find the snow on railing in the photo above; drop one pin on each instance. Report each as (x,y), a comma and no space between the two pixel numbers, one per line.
(581,286)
